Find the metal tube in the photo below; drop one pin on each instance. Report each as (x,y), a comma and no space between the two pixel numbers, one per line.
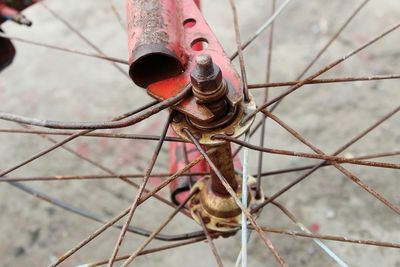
(154,40)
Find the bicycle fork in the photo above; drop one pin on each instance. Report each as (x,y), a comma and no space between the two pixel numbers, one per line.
(171,47)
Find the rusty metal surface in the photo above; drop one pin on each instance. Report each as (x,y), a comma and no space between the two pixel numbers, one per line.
(222,158)
(210,88)
(155,50)
(181,154)
(213,209)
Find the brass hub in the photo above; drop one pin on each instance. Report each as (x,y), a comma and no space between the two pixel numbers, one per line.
(215,211)
(220,213)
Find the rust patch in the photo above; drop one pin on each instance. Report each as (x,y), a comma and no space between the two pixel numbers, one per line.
(150,20)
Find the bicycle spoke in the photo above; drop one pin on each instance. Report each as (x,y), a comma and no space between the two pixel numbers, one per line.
(307,167)
(337,152)
(64,49)
(98,134)
(134,205)
(93,177)
(89,238)
(210,242)
(325,237)
(252,132)
(262,28)
(330,80)
(334,159)
(103,168)
(337,166)
(302,227)
(324,48)
(333,38)
(157,175)
(81,36)
(97,218)
(267,106)
(126,211)
(162,225)
(321,71)
(63,142)
(149,251)
(266,97)
(118,16)
(252,221)
(240,52)
(320,53)
(334,238)
(103,124)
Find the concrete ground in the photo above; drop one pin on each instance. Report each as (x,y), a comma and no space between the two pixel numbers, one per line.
(53,85)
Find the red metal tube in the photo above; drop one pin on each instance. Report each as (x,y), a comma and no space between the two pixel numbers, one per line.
(154,40)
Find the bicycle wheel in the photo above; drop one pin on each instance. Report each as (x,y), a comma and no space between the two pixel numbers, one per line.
(66,87)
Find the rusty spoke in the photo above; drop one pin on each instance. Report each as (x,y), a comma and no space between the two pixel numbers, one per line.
(326,237)
(150,251)
(98,218)
(93,177)
(321,71)
(337,152)
(336,165)
(302,227)
(99,125)
(126,211)
(266,97)
(324,157)
(70,138)
(158,230)
(320,53)
(324,48)
(333,238)
(97,134)
(177,174)
(330,80)
(89,238)
(118,16)
(333,38)
(210,242)
(224,182)
(307,167)
(240,52)
(64,49)
(101,167)
(262,28)
(134,205)
(81,36)
(251,133)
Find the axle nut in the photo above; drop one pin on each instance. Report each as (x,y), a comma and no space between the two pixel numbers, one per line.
(207,81)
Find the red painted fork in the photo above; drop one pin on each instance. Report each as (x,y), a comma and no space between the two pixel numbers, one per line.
(180,187)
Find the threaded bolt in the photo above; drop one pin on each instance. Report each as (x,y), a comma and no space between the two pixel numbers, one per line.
(204,65)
